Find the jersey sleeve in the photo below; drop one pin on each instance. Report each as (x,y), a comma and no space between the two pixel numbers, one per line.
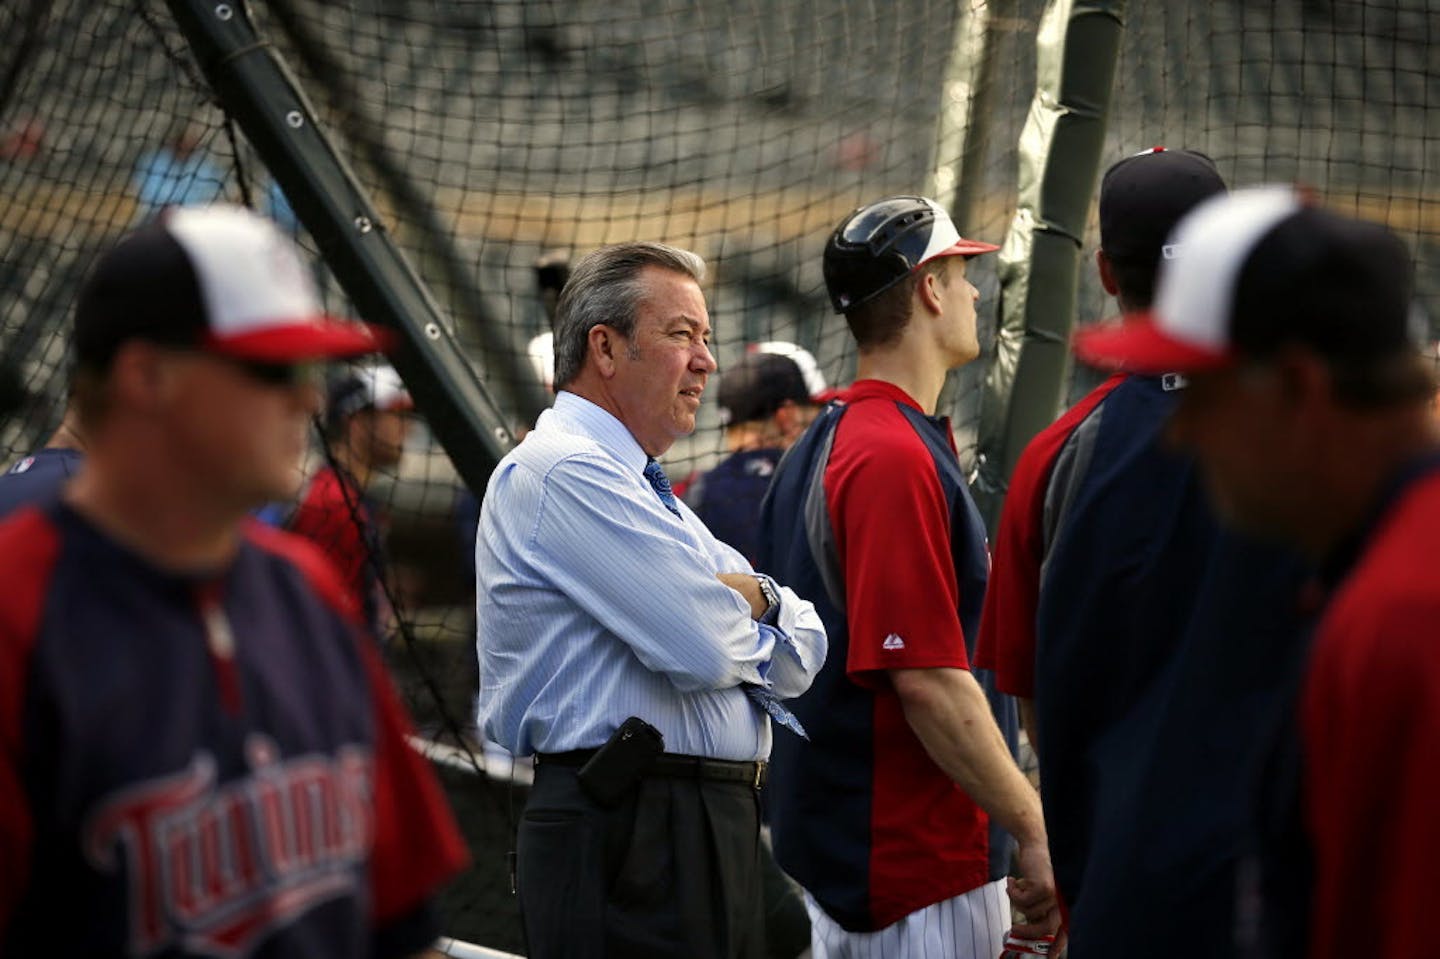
(1006,644)
(892,530)
(1370,721)
(28,548)
(418,847)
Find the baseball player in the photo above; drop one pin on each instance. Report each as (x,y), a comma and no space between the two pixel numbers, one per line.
(200,754)
(367,419)
(1151,644)
(1308,411)
(38,477)
(767,399)
(869,515)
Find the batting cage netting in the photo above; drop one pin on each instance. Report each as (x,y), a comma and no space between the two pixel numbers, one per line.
(500,140)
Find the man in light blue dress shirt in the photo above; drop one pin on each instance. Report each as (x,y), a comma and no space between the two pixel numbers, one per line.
(600,597)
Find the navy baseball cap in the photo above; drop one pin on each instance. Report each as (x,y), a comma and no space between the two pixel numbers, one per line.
(1249,273)
(758,385)
(878,245)
(371,387)
(218,279)
(1143,196)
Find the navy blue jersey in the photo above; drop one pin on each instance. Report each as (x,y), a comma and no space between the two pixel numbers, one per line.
(870,518)
(1164,646)
(37,478)
(201,765)
(727,498)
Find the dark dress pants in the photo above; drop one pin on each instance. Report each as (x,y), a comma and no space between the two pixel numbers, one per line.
(672,871)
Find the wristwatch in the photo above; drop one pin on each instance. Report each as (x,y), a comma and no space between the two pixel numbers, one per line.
(771,595)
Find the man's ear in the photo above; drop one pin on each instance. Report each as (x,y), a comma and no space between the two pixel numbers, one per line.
(1303,378)
(604,346)
(1107,273)
(140,377)
(928,291)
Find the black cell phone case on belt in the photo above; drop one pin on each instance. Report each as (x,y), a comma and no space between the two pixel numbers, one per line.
(618,766)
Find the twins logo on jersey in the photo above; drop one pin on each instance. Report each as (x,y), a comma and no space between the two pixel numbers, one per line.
(216,868)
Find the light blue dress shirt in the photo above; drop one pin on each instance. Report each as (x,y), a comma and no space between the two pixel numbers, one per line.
(595,603)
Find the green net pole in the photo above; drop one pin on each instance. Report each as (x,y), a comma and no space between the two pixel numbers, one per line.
(1078,46)
(258,90)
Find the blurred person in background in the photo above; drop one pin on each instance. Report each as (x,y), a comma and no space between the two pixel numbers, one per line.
(39,476)
(367,420)
(179,172)
(766,402)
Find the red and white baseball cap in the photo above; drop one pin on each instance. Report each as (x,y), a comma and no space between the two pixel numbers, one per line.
(219,279)
(1246,273)
(371,387)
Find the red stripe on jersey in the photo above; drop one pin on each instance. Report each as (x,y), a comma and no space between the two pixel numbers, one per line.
(1006,644)
(404,873)
(29,546)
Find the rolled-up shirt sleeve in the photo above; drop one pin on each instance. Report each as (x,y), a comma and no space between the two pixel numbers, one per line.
(799,633)
(800,644)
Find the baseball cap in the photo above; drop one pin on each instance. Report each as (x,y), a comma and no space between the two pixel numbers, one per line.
(220,279)
(376,387)
(758,385)
(1258,269)
(541,352)
(878,245)
(1143,196)
(814,379)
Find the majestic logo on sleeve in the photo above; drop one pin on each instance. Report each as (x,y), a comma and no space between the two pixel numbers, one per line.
(213,869)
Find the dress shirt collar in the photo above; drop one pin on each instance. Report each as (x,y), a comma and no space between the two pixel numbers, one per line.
(573,413)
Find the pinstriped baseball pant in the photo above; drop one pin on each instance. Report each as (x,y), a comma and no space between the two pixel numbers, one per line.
(969,926)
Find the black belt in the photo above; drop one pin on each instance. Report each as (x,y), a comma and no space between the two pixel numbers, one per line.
(675,766)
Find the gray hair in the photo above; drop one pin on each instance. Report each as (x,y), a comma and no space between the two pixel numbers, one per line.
(605,288)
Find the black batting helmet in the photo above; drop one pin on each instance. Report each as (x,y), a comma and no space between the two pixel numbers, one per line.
(878,245)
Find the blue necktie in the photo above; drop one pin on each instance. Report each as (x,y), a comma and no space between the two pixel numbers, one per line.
(778,711)
(661,483)
(761,696)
